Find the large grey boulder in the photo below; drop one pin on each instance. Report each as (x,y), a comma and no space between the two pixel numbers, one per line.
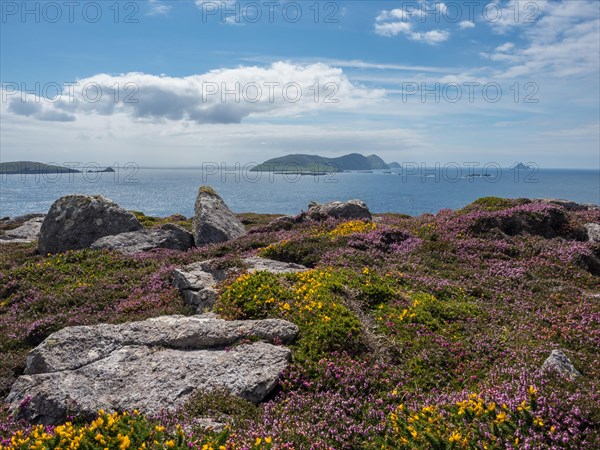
(350,210)
(149,365)
(213,221)
(74,222)
(26,233)
(559,362)
(168,236)
(198,281)
(593,231)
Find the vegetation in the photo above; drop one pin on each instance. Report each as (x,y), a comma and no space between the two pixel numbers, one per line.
(415,332)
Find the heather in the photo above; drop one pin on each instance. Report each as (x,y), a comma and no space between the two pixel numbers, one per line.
(415,332)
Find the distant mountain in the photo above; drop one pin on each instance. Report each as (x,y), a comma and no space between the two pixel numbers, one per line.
(394,165)
(315,163)
(24,167)
(521,166)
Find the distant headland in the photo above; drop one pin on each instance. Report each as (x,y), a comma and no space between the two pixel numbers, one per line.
(31,167)
(301,163)
(34,168)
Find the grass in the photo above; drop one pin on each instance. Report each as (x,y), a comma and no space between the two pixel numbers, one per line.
(415,332)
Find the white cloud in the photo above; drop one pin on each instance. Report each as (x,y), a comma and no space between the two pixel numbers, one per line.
(158,8)
(389,29)
(396,21)
(465,24)
(563,41)
(505,47)
(219,96)
(430,37)
(393,14)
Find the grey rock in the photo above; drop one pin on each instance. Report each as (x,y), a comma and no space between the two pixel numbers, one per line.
(74,222)
(27,232)
(559,362)
(19,220)
(198,281)
(568,204)
(350,210)
(198,284)
(593,231)
(256,264)
(150,365)
(171,237)
(549,224)
(213,221)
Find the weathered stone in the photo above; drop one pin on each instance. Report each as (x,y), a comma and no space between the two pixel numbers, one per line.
(593,231)
(559,362)
(198,281)
(350,210)
(256,264)
(550,223)
(150,365)
(213,221)
(27,232)
(19,220)
(169,236)
(568,204)
(74,222)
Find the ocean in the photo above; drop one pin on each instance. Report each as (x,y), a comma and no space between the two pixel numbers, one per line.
(413,191)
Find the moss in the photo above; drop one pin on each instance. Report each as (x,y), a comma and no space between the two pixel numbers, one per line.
(208,191)
(493,204)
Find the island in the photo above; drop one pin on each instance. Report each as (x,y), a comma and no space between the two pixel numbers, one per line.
(521,166)
(394,165)
(31,167)
(107,170)
(310,164)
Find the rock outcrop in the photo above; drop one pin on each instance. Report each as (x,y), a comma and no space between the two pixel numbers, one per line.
(168,236)
(568,204)
(559,362)
(74,222)
(150,365)
(26,233)
(198,281)
(350,210)
(593,231)
(548,222)
(213,221)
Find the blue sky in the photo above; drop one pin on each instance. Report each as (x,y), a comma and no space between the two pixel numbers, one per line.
(369,62)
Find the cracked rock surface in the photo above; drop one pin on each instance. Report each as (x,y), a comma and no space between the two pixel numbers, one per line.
(149,365)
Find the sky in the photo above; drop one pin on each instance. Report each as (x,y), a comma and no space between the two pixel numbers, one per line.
(181,83)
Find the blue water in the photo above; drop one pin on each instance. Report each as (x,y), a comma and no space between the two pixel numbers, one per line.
(163,192)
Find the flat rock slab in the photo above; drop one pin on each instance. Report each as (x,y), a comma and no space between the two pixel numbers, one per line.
(26,233)
(168,236)
(198,281)
(149,365)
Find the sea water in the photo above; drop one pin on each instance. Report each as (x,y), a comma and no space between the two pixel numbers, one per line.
(162,192)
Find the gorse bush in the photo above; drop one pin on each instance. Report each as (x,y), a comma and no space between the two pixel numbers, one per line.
(308,299)
(253,296)
(467,424)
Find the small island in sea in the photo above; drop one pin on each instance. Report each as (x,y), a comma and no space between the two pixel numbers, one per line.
(521,166)
(312,164)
